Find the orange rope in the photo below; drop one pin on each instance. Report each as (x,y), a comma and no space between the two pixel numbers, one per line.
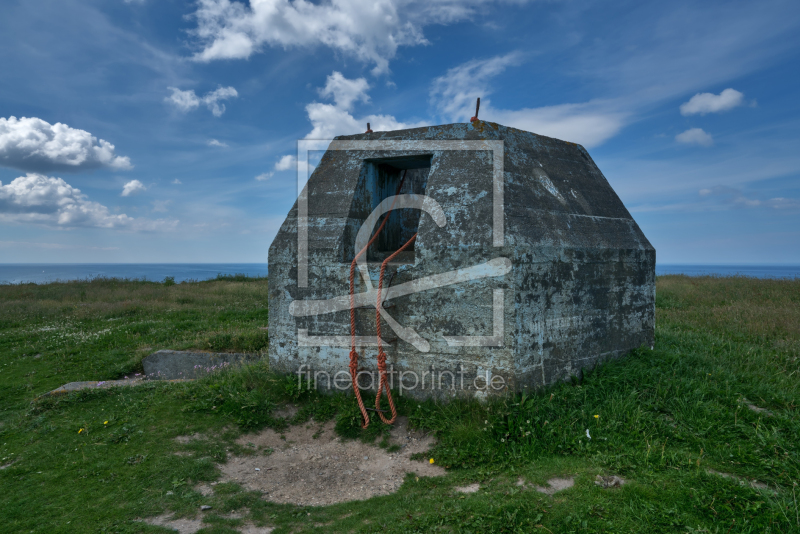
(353,353)
(383,382)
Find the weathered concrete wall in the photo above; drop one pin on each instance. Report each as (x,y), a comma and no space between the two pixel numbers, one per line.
(581,285)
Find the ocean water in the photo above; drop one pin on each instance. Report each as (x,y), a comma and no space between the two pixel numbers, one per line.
(15,273)
(755,271)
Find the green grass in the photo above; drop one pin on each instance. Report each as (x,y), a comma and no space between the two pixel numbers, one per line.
(665,417)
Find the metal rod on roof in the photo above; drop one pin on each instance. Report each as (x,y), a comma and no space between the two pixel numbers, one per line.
(477,108)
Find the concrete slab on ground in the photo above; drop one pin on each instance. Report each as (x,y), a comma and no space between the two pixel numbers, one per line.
(174,364)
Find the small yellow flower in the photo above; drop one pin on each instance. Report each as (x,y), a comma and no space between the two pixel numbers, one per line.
(431,460)
(79,431)
(597,417)
(105,423)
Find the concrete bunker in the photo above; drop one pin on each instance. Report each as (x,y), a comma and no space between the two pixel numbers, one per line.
(527,267)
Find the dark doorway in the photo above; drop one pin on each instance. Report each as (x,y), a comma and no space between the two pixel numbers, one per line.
(380,179)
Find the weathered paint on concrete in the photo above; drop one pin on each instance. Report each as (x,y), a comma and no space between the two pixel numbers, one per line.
(581,284)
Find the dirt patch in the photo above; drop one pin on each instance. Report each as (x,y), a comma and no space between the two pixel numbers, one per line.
(204,490)
(472,488)
(287,411)
(310,465)
(188,439)
(252,529)
(554,485)
(755,484)
(236,514)
(611,481)
(183,526)
(190,526)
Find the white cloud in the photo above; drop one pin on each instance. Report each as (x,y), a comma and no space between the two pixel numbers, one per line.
(183,100)
(176,182)
(134,187)
(370,30)
(454,95)
(46,200)
(589,124)
(343,91)
(286,163)
(188,100)
(734,197)
(330,120)
(703,103)
(213,98)
(214,142)
(33,144)
(695,136)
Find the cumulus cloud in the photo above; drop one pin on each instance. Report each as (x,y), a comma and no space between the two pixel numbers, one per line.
(39,199)
(214,142)
(183,100)
(736,198)
(187,100)
(454,95)
(32,144)
(176,182)
(330,120)
(370,30)
(286,163)
(134,187)
(696,136)
(703,103)
(343,91)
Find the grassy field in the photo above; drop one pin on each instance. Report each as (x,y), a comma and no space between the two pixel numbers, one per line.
(719,394)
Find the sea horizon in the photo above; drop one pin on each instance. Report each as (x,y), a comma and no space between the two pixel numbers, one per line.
(40,273)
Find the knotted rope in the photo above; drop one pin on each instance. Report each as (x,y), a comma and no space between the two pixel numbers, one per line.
(353,352)
(383,381)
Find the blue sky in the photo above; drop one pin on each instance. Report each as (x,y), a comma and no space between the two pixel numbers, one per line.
(159,130)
